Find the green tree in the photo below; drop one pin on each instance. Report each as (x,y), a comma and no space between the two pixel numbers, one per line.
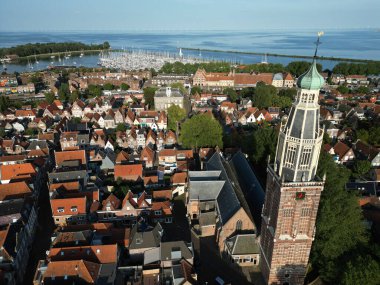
(108,86)
(50,97)
(2,132)
(195,90)
(94,90)
(343,89)
(175,115)
(299,67)
(361,167)
(281,101)
(63,92)
(179,86)
(362,270)
(264,144)
(74,96)
(288,92)
(264,95)
(247,92)
(31,132)
(362,135)
(374,135)
(336,237)
(201,130)
(149,96)
(121,128)
(231,93)
(362,90)
(124,86)
(4,103)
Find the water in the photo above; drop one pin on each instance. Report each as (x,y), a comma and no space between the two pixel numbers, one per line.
(358,44)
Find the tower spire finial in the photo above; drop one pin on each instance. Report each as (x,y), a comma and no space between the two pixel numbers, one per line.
(318,42)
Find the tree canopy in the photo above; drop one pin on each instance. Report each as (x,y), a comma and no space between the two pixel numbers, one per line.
(201,130)
(231,94)
(175,114)
(343,89)
(347,68)
(180,86)
(196,89)
(340,230)
(44,48)
(149,96)
(299,67)
(50,97)
(124,86)
(63,92)
(94,90)
(4,103)
(264,144)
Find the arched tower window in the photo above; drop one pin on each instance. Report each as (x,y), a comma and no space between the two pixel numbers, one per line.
(239,225)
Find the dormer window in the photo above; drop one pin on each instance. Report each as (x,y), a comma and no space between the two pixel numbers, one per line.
(74,209)
(61,210)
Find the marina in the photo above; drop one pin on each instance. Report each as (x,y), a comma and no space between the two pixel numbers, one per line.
(143,59)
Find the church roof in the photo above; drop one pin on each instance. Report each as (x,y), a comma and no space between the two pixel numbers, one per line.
(228,202)
(311,79)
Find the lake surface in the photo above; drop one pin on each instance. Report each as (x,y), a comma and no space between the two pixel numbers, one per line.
(358,44)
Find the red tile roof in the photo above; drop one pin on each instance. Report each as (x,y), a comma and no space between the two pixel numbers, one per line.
(127,171)
(94,253)
(74,269)
(179,178)
(341,149)
(17,171)
(64,207)
(112,202)
(72,155)
(165,207)
(14,190)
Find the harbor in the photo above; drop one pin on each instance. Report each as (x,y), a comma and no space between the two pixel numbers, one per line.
(143,59)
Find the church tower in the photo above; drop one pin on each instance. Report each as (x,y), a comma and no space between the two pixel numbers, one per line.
(293,190)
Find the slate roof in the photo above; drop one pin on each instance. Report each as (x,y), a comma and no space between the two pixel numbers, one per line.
(243,244)
(167,249)
(227,201)
(37,145)
(249,184)
(205,190)
(145,238)
(204,175)
(67,176)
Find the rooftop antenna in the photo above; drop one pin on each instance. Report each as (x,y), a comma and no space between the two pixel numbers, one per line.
(318,42)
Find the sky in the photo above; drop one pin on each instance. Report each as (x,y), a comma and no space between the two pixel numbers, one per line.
(166,15)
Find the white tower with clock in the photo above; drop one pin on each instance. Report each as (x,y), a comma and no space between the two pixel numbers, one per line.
(293,191)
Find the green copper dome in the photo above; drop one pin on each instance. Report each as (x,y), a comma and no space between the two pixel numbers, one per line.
(311,79)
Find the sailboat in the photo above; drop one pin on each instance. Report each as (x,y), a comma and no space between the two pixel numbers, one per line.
(35,58)
(264,60)
(30,66)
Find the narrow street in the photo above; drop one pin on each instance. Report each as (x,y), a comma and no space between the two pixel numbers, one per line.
(44,231)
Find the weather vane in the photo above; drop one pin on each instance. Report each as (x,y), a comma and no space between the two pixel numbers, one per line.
(318,42)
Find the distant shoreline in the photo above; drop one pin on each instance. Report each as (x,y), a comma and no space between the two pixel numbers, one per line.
(286,55)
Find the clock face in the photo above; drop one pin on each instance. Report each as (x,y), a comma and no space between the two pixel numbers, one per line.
(300,195)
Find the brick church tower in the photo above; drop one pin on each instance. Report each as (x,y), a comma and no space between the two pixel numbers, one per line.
(293,190)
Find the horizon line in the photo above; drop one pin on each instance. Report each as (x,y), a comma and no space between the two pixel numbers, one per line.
(188,30)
